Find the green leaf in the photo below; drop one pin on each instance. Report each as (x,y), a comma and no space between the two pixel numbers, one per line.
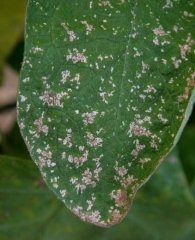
(163,209)
(187,152)
(13,145)
(105,91)
(23,199)
(15,58)
(12,15)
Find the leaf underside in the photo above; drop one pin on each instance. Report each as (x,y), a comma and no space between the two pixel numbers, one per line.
(105,90)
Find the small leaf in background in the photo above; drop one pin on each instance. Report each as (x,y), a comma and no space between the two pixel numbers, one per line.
(187,152)
(163,209)
(15,57)
(105,91)
(186,148)
(12,14)
(12,144)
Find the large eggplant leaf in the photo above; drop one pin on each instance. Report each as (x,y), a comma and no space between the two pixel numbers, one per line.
(105,90)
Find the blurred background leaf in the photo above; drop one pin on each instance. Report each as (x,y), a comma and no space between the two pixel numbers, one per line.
(12,14)
(13,144)
(186,147)
(164,208)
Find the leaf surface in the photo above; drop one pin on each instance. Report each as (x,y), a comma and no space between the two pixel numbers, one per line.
(105,91)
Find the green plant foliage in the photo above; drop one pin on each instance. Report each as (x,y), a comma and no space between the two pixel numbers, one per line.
(162,209)
(16,56)
(13,145)
(12,14)
(105,90)
(187,152)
